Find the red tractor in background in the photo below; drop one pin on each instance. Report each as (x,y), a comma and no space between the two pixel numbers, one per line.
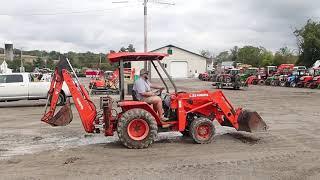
(230,78)
(105,83)
(285,69)
(315,83)
(137,124)
(305,81)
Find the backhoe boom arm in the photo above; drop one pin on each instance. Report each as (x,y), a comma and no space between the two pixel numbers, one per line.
(86,108)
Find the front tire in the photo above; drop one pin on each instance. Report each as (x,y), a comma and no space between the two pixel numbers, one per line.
(202,130)
(137,129)
(282,83)
(293,84)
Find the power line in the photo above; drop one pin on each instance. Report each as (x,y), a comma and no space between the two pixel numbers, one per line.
(65,13)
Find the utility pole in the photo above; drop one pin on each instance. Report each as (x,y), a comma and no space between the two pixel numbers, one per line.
(21,62)
(145,35)
(146,66)
(99,60)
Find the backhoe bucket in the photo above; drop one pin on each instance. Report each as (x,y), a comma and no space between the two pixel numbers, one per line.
(63,117)
(251,121)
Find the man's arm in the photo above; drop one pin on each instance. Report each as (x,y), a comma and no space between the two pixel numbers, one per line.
(140,88)
(156,86)
(148,94)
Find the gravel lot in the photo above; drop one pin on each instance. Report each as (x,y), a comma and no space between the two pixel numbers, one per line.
(290,149)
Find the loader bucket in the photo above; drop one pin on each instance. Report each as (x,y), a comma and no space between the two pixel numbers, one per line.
(63,117)
(251,121)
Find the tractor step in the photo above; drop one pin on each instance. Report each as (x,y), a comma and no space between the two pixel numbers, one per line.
(168,124)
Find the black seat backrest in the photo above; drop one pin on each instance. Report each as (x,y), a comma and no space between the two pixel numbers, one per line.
(134,95)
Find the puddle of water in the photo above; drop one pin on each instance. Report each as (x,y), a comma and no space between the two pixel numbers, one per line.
(50,143)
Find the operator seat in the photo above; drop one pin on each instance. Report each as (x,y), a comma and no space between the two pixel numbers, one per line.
(134,95)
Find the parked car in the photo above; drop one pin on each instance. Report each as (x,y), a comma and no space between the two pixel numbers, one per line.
(22,86)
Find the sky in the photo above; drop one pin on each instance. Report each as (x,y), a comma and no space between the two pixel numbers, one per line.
(100,25)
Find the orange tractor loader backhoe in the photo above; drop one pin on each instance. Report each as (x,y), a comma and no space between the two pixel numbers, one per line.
(137,124)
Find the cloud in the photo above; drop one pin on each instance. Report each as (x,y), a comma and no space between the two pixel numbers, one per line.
(81,25)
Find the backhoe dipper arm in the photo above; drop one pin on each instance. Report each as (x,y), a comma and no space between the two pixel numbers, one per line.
(86,108)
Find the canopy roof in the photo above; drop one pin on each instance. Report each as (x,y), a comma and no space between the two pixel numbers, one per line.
(135,56)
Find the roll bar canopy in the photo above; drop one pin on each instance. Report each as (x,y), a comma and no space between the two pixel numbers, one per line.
(122,57)
(134,56)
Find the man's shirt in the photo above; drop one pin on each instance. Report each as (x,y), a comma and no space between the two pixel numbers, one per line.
(141,86)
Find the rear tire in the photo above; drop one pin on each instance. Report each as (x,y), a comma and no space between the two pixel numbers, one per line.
(137,129)
(261,82)
(293,84)
(202,130)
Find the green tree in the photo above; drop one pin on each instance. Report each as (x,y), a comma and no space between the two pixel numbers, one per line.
(206,53)
(234,53)
(39,63)
(223,56)
(266,57)
(50,64)
(15,64)
(308,38)
(130,48)
(284,56)
(250,55)
(28,66)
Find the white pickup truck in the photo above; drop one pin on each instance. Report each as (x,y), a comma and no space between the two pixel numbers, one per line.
(21,86)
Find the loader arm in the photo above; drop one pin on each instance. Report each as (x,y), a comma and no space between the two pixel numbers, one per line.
(242,120)
(217,106)
(86,108)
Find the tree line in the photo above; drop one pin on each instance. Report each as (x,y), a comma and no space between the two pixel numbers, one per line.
(255,56)
(48,59)
(308,42)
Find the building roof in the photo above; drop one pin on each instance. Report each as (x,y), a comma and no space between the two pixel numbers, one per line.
(170,45)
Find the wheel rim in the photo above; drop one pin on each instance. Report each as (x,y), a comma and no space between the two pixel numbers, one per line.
(138,129)
(204,131)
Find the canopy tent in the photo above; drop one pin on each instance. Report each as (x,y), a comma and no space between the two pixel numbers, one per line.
(4,68)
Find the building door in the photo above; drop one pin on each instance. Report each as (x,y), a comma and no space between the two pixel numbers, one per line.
(179,69)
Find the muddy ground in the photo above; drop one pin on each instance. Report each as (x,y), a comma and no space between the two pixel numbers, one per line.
(290,149)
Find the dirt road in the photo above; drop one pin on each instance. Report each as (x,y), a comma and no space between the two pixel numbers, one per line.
(289,150)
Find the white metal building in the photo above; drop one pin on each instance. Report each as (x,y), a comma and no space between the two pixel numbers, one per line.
(180,63)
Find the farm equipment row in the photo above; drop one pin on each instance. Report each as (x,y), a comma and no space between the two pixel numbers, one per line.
(286,75)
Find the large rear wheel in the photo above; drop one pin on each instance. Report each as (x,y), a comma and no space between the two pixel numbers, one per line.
(137,129)
(202,130)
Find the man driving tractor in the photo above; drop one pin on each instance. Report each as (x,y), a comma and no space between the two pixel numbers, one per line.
(142,90)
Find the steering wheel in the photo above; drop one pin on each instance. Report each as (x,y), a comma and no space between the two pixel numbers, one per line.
(158,92)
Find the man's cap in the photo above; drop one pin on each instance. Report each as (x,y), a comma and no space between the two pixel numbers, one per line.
(143,71)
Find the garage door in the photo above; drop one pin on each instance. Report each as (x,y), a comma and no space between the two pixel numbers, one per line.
(179,69)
